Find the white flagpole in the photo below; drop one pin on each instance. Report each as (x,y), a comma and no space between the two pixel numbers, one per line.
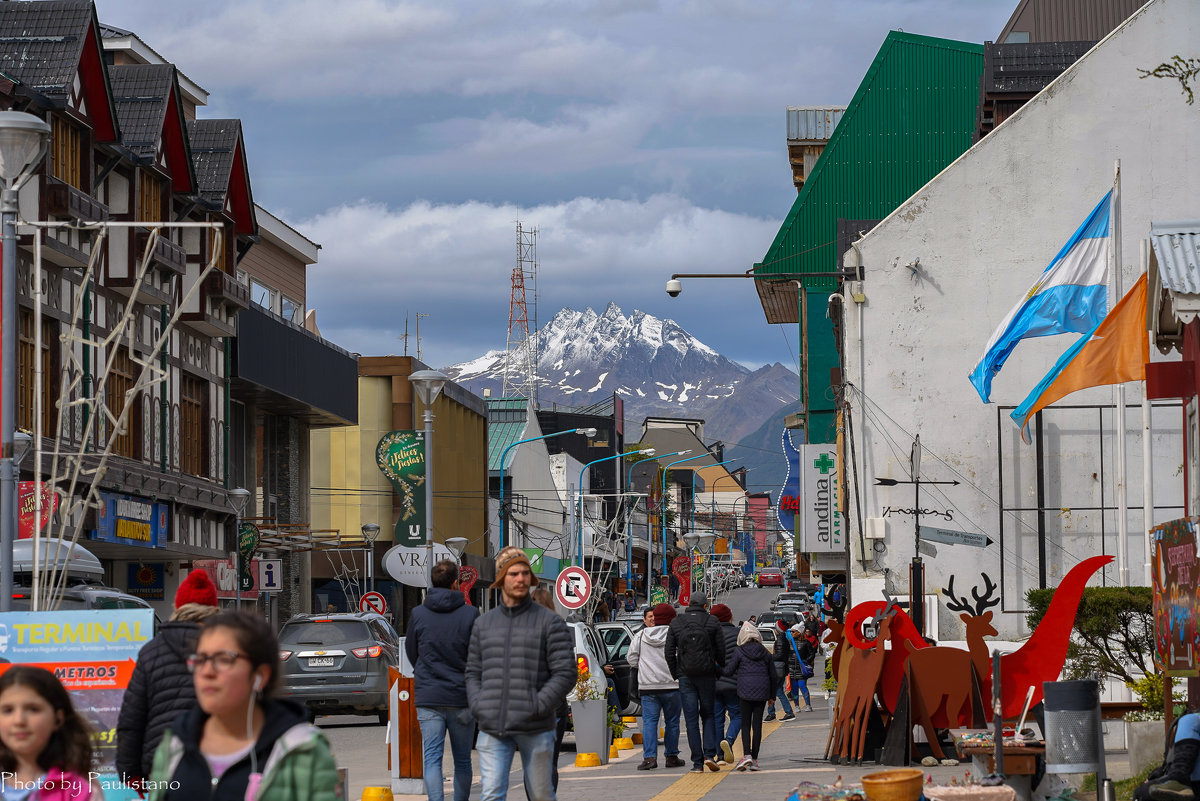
(1147,450)
(1119,391)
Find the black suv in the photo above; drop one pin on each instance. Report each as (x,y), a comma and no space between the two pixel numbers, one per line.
(337,664)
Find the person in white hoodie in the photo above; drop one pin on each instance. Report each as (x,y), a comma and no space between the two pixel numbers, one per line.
(659,691)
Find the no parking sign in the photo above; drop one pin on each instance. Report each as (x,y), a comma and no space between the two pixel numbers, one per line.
(573,587)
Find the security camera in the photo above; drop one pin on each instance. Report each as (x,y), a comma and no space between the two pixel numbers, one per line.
(674,288)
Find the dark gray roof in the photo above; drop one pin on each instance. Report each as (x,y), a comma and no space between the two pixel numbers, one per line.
(41,43)
(214,143)
(1027,68)
(141,92)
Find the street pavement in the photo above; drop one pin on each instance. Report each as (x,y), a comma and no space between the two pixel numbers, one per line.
(791,753)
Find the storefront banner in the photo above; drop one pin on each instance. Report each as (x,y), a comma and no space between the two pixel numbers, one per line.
(820,524)
(92,653)
(145,580)
(225,576)
(407,565)
(27,508)
(400,456)
(130,520)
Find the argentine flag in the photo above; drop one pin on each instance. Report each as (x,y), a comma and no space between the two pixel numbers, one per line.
(1070,296)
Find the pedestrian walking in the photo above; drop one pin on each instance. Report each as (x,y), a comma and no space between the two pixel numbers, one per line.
(802,651)
(602,612)
(725,702)
(754,668)
(436,641)
(781,669)
(544,597)
(160,687)
(520,667)
(45,745)
(695,651)
(238,742)
(658,688)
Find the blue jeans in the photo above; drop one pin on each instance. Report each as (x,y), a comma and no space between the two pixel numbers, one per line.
(728,701)
(495,762)
(698,694)
(653,702)
(781,694)
(803,685)
(435,722)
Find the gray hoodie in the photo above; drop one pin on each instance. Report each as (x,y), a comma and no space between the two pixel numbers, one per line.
(648,655)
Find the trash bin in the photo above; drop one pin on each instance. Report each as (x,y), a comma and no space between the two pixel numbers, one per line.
(1074,742)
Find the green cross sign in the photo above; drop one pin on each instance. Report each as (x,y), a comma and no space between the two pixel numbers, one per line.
(823,463)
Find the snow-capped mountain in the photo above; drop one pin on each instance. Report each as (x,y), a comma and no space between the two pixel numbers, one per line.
(654,365)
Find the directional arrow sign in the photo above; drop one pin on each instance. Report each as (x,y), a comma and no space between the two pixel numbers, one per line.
(952,537)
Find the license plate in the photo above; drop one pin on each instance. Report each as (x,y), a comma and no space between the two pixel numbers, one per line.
(320,661)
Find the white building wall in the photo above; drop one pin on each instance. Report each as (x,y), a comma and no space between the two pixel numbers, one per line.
(544,511)
(983,230)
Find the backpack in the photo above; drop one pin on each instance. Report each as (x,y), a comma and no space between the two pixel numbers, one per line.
(693,650)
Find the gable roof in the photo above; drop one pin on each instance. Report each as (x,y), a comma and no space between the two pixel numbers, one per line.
(913,114)
(222,176)
(152,124)
(45,45)
(1068,20)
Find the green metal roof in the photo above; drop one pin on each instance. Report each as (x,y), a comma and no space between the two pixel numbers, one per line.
(507,418)
(912,115)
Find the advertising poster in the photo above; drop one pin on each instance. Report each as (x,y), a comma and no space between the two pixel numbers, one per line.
(1174,576)
(92,652)
(820,521)
(400,456)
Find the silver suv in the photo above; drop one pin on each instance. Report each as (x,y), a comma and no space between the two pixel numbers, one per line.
(338,664)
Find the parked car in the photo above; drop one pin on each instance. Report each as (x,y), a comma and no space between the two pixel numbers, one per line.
(772,618)
(337,664)
(791,599)
(768,634)
(770,577)
(82,596)
(607,642)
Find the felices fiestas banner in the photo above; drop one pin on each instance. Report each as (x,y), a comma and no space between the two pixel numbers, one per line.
(27,508)
(467,576)
(400,456)
(681,567)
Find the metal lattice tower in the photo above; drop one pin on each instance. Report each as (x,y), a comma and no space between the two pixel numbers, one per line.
(520,361)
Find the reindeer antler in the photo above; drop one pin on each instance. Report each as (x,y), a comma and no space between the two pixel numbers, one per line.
(962,604)
(982,602)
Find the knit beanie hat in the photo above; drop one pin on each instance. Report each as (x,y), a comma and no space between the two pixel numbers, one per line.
(663,614)
(508,557)
(197,588)
(722,613)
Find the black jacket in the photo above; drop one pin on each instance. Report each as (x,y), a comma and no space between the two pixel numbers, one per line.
(520,667)
(160,689)
(439,632)
(192,774)
(728,681)
(754,669)
(695,616)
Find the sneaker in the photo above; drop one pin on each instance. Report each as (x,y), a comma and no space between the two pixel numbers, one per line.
(697,769)
(1171,790)
(711,764)
(788,716)
(807,708)
(769,717)
(675,762)
(754,764)
(648,764)
(726,752)
(743,764)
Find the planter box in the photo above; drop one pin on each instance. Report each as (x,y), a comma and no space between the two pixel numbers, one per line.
(592,735)
(1146,740)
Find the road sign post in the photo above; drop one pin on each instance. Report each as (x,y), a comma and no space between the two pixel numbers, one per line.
(373,602)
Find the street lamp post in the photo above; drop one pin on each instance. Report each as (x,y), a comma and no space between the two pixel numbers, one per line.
(238,496)
(23,140)
(649,538)
(370,532)
(587,432)
(428,385)
(644,451)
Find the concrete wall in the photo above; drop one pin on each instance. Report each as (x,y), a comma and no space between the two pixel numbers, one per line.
(983,230)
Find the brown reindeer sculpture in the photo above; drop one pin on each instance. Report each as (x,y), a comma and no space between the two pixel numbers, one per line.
(940,684)
(858,677)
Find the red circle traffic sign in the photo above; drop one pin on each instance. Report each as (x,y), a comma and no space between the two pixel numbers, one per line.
(573,587)
(372,602)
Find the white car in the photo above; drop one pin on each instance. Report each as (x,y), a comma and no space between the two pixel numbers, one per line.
(590,656)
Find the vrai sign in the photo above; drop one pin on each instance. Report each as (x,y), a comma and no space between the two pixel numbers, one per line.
(407,564)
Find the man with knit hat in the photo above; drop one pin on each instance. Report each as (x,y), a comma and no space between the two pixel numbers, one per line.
(726,700)
(161,688)
(520,667)
(659,690)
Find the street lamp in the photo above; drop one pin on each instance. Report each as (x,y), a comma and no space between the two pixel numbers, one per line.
(457,545)
(649,538)
(428,385)
(587,432)
(644,451)
(23,141)
(663,497)
(370,531)
(238,496)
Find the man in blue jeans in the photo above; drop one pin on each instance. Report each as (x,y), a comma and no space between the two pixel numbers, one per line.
(659,690)
(695,653)
(439,632)
(520,667)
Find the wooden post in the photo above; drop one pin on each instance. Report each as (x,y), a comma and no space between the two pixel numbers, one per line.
(411,755)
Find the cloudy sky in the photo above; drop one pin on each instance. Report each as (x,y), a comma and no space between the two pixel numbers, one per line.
(640,137)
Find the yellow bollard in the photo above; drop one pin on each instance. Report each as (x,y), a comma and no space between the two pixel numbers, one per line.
(613,753)
(377,794)
(629,721)
(583,761)
(623,743)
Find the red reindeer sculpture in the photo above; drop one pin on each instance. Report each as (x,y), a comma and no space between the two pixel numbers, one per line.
(856,696)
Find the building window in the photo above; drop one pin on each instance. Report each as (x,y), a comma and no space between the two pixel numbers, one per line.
(122,376)
(25,375)
(66,152)
(150,197)
(192,425)
(291,310)
(263,295)
(222,253)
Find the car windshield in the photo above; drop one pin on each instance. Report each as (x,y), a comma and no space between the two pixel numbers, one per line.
(324,632)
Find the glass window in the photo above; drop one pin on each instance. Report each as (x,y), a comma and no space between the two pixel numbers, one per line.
(263,295)
(325,632)
(292,310)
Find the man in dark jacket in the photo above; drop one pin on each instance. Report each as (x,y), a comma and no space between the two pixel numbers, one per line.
(695,654)
(520,667)
(160,688)
(439,632)
(726,699)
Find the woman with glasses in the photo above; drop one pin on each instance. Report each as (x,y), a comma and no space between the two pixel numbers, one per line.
(239,742)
